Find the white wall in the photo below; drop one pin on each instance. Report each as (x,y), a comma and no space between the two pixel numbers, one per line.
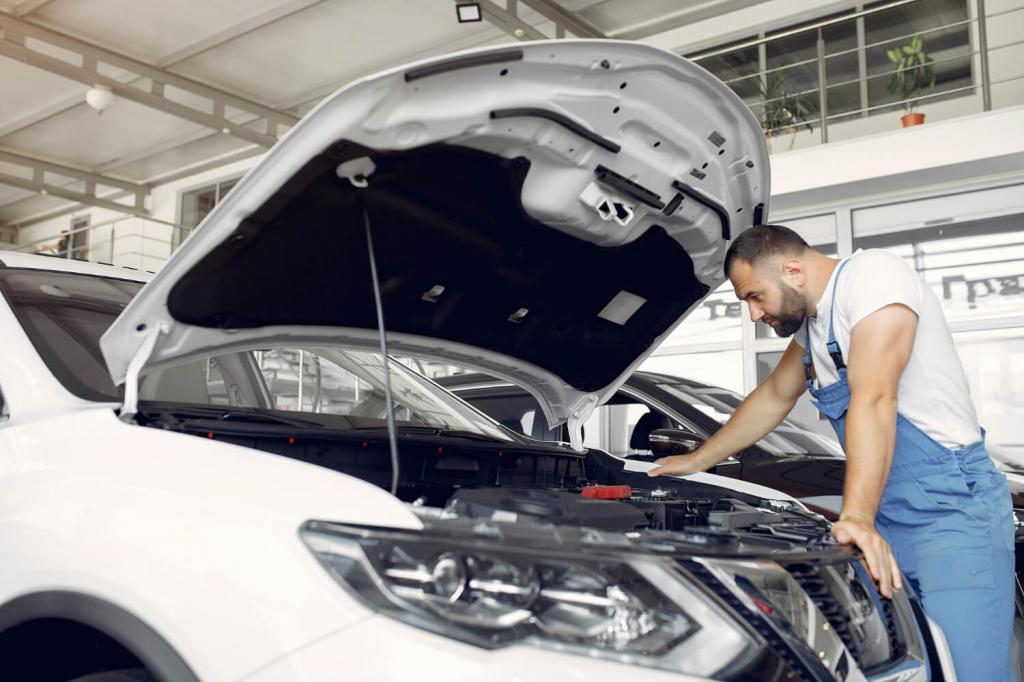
(984,137)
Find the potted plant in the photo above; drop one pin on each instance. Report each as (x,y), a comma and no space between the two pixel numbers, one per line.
(780,110)
(915,71)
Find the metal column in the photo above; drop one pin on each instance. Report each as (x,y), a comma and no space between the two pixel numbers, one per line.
(822,92)
(986,85)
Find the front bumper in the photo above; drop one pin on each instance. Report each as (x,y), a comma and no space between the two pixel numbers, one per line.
(382,649)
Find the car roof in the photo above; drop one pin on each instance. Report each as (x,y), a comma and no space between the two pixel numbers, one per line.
(33,261)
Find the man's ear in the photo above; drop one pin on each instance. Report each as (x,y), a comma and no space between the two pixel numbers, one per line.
(793,272)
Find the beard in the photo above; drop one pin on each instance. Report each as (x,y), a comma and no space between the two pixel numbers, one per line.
(792,314)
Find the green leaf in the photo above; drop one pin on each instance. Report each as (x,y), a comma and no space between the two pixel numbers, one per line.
(893,55)
(908,50)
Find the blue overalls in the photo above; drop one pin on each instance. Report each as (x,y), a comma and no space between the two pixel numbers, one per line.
(947,515)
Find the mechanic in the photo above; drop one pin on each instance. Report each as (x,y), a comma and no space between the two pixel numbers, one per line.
(873,348)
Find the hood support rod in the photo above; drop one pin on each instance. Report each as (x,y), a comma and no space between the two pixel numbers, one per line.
(388,405)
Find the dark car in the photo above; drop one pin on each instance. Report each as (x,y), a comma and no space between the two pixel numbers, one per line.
(793,458)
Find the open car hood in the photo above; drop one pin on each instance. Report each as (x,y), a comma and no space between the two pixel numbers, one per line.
(545,212)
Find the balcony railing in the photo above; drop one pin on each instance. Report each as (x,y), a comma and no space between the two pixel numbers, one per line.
(126,241)
(1009,51)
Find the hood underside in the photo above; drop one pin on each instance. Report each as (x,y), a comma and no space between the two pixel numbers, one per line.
(441,216)
(546,214)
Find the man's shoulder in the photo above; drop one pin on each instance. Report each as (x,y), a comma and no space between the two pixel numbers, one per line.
(870,260)
(878,278)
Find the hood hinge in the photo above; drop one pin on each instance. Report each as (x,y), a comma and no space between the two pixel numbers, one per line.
(580,414)
(131,378)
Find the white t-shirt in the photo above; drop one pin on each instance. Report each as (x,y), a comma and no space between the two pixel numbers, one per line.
(933,390)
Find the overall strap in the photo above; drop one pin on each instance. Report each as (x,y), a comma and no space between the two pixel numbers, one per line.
(808,362)
(833,346)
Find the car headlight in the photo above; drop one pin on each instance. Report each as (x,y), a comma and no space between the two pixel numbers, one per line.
(639,609)
(768,588)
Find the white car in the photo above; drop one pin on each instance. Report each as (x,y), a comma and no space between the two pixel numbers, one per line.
(162,515)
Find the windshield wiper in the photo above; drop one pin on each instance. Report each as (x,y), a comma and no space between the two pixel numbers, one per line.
(263,418)
(174,415)
(430,431)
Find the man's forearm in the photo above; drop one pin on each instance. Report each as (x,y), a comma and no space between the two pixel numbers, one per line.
(870,438)
(756,416)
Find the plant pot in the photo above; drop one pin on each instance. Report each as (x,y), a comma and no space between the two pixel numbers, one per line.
(913,119)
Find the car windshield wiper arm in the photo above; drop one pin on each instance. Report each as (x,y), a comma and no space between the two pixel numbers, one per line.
(180,414)
(430,431)
(262,418)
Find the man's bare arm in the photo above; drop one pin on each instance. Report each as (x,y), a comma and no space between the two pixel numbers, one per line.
(759,413)
(880,346)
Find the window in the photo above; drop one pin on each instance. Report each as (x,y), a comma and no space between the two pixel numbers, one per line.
(197,204)
(994,363)
(788,438)
(799,54)
(350,383)
(949,47)
(517,411)
(717,318)
(976,269)
(80,237)
(788,67)
(738,68)
(721,368)
(226,380)
(64,315)
(613,427)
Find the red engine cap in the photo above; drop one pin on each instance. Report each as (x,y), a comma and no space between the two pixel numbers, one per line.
(607,492)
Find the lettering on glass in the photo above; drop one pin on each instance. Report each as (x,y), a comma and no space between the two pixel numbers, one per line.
(978,289)
(723,309)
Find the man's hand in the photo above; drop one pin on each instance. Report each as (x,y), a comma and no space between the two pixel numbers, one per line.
(877,553)
(680,465)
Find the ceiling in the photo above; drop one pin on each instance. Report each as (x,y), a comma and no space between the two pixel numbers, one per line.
(259,59)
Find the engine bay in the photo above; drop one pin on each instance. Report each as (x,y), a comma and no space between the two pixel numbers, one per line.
(454,476)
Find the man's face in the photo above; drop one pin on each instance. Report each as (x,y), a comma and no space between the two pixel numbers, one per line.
(769,297)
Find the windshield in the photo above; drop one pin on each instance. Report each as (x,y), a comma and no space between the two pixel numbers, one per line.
(350,383)
(788,438)
(65,314)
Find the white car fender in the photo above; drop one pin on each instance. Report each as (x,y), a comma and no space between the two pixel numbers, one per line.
(197,538)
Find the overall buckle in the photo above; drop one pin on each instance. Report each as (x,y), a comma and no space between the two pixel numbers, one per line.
(836,354)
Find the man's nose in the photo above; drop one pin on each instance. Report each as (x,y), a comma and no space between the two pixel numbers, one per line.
(755,312)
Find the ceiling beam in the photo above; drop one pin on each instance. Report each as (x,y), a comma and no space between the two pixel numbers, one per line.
(235,31)
(39,182)
(569,21)
(23,8)
(209,111)
(508,20)
(200,46)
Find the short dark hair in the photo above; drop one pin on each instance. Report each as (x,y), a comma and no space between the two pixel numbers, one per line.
(764,241)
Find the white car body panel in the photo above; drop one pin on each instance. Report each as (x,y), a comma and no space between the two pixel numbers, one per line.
(388,112)
(175,530)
